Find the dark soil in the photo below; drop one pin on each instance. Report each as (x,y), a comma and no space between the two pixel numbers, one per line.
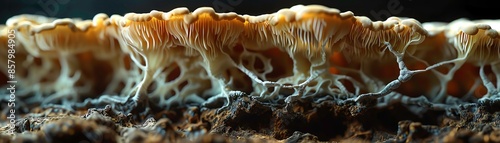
(249,120)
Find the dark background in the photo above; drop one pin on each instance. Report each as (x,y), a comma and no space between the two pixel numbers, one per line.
(422,10)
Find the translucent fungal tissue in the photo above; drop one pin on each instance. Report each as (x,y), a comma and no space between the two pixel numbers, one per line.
(476,43)
(202,57)
(60,40)
(383,42)
(308,35)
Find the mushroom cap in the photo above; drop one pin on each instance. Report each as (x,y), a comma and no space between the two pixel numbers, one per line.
(60,35)
(202,29)
(257,33)
(36,19)
(201,32)
(476,41)
(309,29)
(144,32)
(366,38)
(479,43)
(113,30)
(307,33)
(207,32)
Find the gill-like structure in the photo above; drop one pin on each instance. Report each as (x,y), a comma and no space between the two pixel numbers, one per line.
(475,43)
(308,35)
(58,40)
(201,56)
(382,41)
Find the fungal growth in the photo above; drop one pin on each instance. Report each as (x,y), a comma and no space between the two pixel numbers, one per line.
(204,58)
(475,43)
(58,40)
(308,35)
(378,41)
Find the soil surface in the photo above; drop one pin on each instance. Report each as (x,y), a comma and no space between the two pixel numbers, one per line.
(324,119)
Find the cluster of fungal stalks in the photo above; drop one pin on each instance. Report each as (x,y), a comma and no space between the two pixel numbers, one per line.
(199,57)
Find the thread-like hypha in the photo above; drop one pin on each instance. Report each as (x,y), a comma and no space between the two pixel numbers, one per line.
(60,39)
(493,46)
(208,33)
(50,50)
(371,40)
(30,83)
(473,42)
(118,54)
(13,69)
(149,36)
(451,31)
(422,55)
(184,81)
(257,36)
(13,64)
(109,51)
(31,71)
(258,40)
(484,52)
(308,34)
(436,43)
(482,45)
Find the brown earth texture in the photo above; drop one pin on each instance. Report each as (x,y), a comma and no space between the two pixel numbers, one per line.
(323,119)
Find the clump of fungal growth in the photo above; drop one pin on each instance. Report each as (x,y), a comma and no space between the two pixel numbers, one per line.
(380,41)
(202,57)
(210,34)
(65,60)
(176,39)
(26,64)
(308,35)
(57,40)
(476,43)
